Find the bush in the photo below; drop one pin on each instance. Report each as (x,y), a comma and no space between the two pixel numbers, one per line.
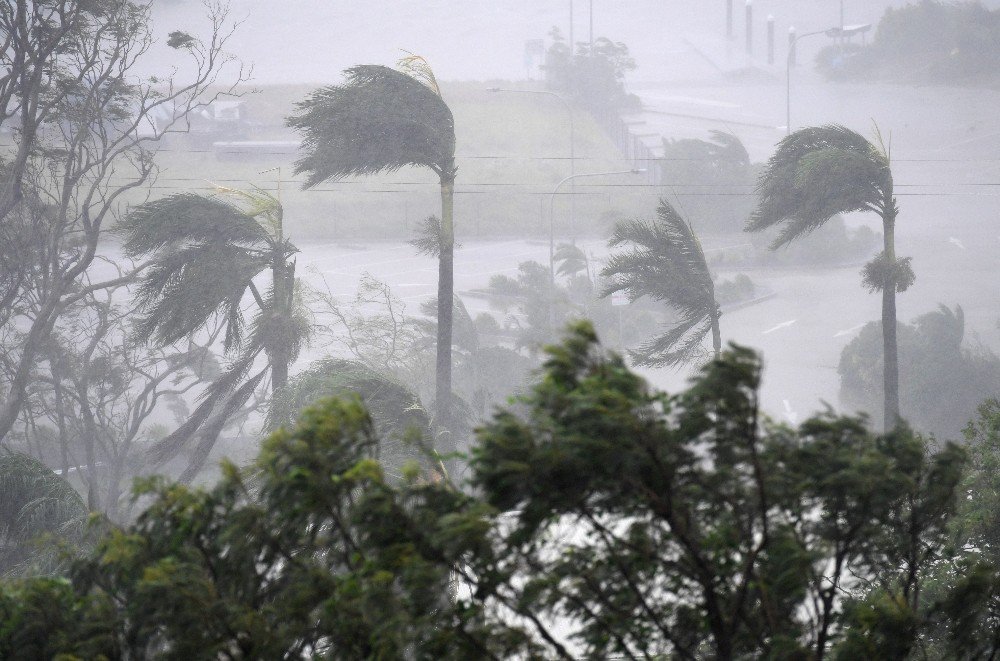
(941,380)
(927,41)
(594,78)
(714,179)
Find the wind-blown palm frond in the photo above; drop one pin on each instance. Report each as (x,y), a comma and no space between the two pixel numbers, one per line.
(665,263)
(428,237)
(206,253)
(728,148)
(417,67)
(183,289)
(186,218)
(570,258)
(379,120)
(211,401)
(815,174)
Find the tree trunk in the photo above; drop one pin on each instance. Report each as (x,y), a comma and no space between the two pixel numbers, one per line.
(446,296)
(716,334)
(282,300)
(890,356)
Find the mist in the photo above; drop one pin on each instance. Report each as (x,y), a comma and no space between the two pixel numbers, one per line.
(462,292)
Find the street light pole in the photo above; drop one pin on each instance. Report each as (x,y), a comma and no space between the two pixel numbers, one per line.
(792,46)
(552,198)
(552,240)
(840,32)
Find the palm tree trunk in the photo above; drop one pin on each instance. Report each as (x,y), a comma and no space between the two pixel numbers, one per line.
(889,350)
(716,336)
(446,295)
(283,282)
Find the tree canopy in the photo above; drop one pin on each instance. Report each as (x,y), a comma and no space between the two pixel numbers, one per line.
(604,519)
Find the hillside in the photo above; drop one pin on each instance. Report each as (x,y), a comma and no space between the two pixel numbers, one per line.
(512,151)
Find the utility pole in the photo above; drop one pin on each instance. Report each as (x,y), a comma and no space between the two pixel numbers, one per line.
(592,27)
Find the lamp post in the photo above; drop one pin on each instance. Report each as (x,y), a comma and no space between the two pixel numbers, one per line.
(552,242)
(792,47)
(572,133)
(552,199)
(792,42)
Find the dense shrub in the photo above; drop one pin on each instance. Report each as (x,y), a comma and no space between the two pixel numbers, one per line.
(942,379)
(928,41)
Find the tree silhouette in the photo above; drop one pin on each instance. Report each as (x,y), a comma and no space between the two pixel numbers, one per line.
(206,253)
(666,263)
(380,120)
(818,172)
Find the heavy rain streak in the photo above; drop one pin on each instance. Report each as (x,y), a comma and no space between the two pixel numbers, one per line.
(500,329)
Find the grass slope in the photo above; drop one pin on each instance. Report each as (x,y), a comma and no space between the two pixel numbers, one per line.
(512,150)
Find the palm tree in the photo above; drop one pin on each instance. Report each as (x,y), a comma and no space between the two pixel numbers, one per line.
(667,264)
(35,503)
(380,120)
(206,253)
(817,173)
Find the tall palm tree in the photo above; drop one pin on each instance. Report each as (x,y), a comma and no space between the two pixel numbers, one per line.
(206,253)
(817,173)
(380,120)
(666,263)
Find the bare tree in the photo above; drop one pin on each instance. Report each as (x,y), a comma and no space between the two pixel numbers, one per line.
(99,395)
(85,130)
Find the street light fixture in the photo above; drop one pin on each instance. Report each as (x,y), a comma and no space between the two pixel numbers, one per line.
(841,32)
(552,198)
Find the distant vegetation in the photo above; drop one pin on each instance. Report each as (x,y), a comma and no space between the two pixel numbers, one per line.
(942,374)
(592,75)
(924,42)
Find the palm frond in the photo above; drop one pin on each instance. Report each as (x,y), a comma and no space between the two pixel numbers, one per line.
(418,68)
(428,237)
(379,120)
(816,173)
(186,218)
(183,289)
(260,205)
(570,258)
(34,502)
(465,335)
(211,400)
(279,325)
(729,148)
(680,344)
(665,262)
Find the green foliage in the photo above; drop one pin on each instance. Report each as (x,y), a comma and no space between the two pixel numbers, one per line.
(942,380)
(400,420)
(46,618)
(694,532)
(666,262)
(602,519)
